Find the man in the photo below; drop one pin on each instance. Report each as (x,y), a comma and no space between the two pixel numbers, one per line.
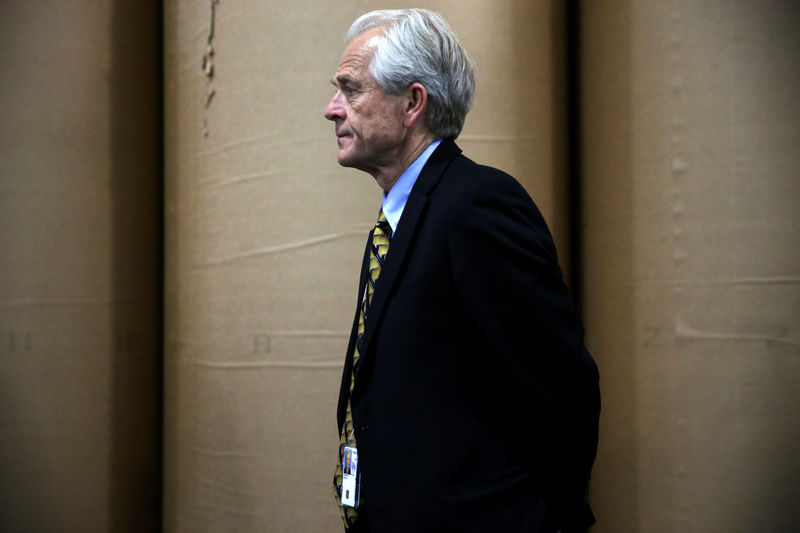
(467,395)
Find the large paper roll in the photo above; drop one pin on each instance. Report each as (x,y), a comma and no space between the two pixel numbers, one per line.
(265,235)
(692,261)
(79,266)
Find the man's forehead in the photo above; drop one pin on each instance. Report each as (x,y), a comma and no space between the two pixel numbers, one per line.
(354,65)
(358,54)
(352,73)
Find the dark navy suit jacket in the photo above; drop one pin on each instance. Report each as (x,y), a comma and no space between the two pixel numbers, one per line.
(475,403)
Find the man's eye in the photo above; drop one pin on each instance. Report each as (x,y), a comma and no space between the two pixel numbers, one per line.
(348,91)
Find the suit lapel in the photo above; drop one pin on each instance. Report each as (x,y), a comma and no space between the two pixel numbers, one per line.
(347,372)
(401,245)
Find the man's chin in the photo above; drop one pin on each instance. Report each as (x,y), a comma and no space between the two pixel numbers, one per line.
(345,160)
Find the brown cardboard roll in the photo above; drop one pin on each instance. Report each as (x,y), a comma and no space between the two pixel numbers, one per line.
(691,261)
(265,235)
(79,268)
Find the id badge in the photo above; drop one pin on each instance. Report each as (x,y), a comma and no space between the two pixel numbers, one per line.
(351,477)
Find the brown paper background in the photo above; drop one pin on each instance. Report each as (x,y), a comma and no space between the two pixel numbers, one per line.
(689,127)
(79,267)
(691,262)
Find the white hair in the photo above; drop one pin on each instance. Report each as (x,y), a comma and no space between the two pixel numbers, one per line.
(418,46)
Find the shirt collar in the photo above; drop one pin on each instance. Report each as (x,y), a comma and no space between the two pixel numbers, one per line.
(395,201)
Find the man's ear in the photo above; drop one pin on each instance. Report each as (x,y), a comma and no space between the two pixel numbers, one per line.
(416,103)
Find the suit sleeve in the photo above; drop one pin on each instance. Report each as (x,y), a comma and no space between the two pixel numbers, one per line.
(509,284)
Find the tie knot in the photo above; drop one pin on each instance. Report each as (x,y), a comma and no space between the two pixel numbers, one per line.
(383,225)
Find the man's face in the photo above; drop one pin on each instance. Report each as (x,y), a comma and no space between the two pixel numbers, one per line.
(369,122)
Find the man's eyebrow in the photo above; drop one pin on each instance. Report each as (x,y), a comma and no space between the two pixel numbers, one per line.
(343,79)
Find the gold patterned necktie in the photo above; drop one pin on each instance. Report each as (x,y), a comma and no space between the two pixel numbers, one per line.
(379,247)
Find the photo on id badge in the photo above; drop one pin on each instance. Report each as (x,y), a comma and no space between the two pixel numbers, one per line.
(347,467)
(350,477)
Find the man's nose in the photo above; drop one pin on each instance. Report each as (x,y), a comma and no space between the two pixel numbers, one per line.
(334,109)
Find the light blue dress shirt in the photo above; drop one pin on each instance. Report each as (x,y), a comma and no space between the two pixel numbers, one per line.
(395,201)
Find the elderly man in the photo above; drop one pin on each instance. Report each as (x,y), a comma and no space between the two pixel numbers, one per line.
(468,402)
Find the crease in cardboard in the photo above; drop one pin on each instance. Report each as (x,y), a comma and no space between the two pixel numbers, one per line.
(478,137)
(307,333)
(248,365)
(59,303)
(225,509)
(299,349)
(296,334)
(275,141)
(225,454)
(685,332)
(681,283)
(239,179)
(679,166)
(208,65)
(765,280)
(287,247)
(230,489)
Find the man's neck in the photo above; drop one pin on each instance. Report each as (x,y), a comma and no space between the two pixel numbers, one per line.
(387,177)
